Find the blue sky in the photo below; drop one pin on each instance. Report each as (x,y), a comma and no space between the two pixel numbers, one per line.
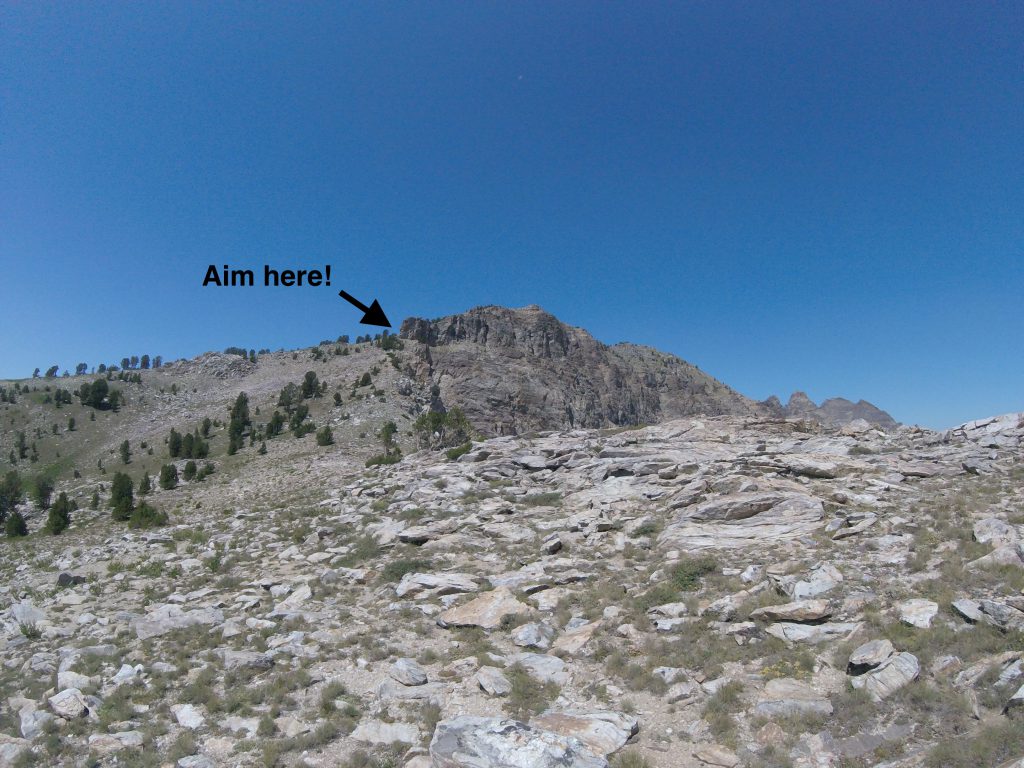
(816,196)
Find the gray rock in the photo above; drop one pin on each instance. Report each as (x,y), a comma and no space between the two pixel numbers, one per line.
(868,656)
(493,742)
(534,635)
(917,612)
(888,677)
(800,611)
(547,669)
(408,672)
(425,585)
(251,660)
(785,697)
(69,704)
(602,732)
(486,611)
(377,732)
(493,681)
(188,716)
(33,721)
(168,618)
(812,633)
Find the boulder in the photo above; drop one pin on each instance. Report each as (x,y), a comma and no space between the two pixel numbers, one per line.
(493,681)
(800,611)
(188,716)
(917,612)
(602,732)
(889,676)
(486,611)
(69,704)
(495,742)
(868,656)
(785,697)
(407,672)
(812,633)
(377,732)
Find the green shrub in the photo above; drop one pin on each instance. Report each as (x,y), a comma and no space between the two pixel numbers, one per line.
(686,574)
(528,696)
(324,436)
(60,515)
(461,450)
(168,476)
(380,458)
(121,497)
(396,569)
(15,525)
(189,472)
(146,516)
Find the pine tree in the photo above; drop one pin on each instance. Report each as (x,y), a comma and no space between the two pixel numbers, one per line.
(10,494)
(60,515)
(126,453)
(16,526)
(121,497)
(174,444)
(42,490)
(168,476)
(145,485)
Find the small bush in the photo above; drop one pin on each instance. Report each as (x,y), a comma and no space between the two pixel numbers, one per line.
(528,696)
(324,436)
(381,458)
(396,569)
(189,472)
(15,526)
(146,516)
(168,477)
(461,450)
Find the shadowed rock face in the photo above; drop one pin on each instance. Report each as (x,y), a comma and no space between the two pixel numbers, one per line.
(516,370)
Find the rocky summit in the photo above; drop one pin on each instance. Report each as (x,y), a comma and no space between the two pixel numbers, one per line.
(312,558)
(517,370)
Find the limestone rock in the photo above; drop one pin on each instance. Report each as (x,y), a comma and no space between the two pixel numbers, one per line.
(493,742)
(800,611)
(493,681)
(787,697)
(69,704)
(377,732)
(918,612)
(888,677)
(602,732)
(485,611)
(408,672)
(869,655)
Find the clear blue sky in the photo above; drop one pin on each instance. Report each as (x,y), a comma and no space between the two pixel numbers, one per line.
(816,196)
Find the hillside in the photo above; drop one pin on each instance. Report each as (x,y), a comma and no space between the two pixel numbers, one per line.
(709,590)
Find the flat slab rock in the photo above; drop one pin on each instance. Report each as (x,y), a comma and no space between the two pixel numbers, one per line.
(744,520)
(812,633)
(495,742)
(888,677)
(485,611)
(377,732)
(798,611)
(602,732)
(786,696)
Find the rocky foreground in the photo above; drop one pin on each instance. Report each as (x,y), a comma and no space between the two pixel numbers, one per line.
(704,592)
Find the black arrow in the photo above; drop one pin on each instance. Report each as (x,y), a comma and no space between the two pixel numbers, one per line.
(372,315)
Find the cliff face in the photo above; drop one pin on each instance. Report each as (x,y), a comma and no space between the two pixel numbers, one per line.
(517,370)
